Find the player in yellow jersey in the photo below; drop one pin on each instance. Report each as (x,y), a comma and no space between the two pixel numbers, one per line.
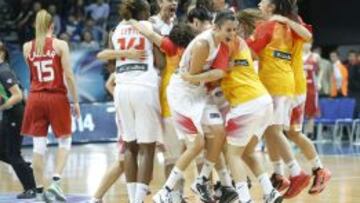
(248,118)
(273,42)
(294,133)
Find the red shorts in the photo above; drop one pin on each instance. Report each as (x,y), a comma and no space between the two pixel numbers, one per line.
(312,104)
(44,109)
(297,117)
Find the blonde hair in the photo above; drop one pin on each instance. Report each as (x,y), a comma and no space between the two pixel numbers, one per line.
(42,24)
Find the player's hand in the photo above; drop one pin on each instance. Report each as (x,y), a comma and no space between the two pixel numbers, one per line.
(136,54)
(279,18)
(135,24)
(76,110)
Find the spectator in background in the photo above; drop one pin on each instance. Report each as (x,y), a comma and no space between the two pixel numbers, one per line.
(324,75)
(97,33)
(88,42)
(340,77)
(73,28)
(77,9)
(163,22)
(244,4)
(351,59)
(99,12)
(56,19)
(354,83)
(66,37)
(25,20)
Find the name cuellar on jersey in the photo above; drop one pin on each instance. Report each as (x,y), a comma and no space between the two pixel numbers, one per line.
(129,71)
(46,71)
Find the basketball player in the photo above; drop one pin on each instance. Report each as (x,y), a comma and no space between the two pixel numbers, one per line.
(200,19)
(190,108)
(248,118)
(173,47)
(321,175)
(311,67)
(163,22)
(48,59)
(275,66)
(117,168)
(140,117)
(12,110)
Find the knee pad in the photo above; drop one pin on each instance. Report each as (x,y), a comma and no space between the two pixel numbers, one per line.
(40,145)
(65,143)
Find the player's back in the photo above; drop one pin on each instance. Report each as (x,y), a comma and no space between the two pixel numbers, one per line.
(46,71)
(129,71)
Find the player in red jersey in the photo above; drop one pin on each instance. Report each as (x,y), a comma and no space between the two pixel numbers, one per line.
(48,59)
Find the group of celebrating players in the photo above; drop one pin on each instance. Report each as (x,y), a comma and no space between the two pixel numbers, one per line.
(207,90)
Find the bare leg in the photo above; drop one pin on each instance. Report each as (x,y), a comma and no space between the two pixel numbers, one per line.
(62,155)
(146,163)
(304,143)
(277,144)
(111,175)
(130,163)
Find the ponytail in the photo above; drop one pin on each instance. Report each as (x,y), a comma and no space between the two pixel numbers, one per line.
(42,24)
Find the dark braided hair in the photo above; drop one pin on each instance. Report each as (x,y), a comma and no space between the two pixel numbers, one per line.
(181,34)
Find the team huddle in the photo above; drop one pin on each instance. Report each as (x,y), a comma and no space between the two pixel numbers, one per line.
(208,90)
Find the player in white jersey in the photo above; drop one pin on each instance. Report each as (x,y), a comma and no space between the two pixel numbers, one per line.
(163,22)
(137,99)
(192,112)
(117,168)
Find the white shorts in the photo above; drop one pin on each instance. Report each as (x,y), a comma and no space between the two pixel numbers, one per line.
(241,128)
(173,142)
(282,110)
(186,125)
(139,109)
(190,108)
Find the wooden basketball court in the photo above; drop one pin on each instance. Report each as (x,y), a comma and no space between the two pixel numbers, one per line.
(88,163)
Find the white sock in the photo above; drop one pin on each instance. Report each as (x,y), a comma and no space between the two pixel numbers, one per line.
(316,163)
(95,199)
(206,169)
(175,175)
(294,168)
(243,191)
(265,183)
(141,192)
(225,178)
(131,188)
(278,167)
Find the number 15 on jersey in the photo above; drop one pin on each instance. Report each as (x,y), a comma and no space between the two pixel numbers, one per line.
(45,71)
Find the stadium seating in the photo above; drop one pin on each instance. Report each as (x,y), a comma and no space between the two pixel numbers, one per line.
(336,116)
